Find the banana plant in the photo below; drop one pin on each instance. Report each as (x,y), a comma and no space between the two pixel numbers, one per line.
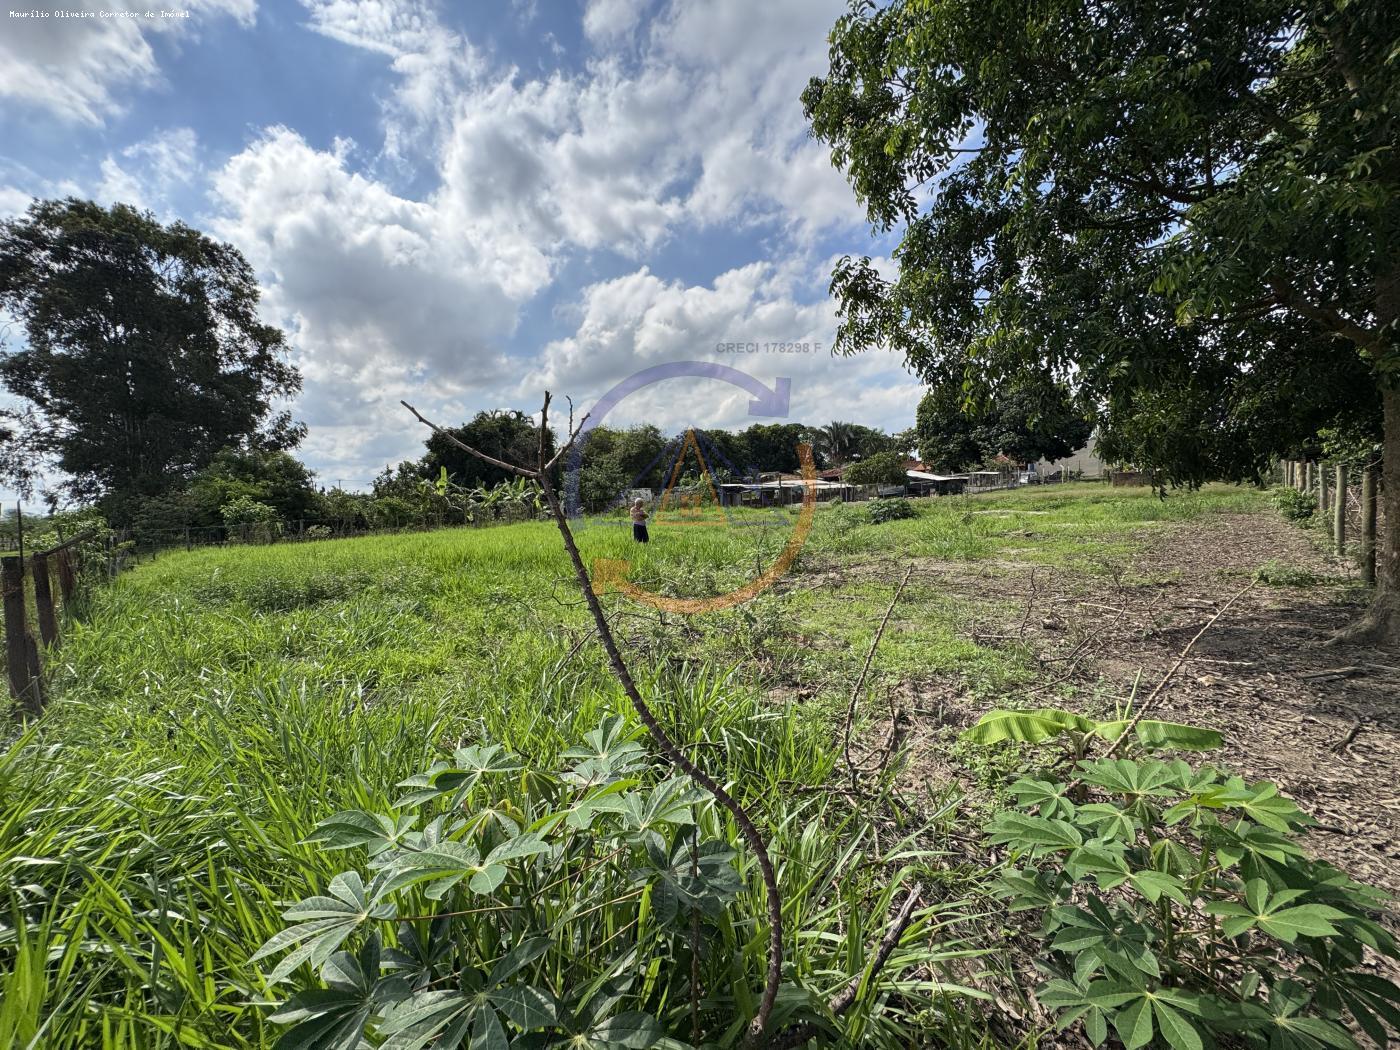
(1079,733)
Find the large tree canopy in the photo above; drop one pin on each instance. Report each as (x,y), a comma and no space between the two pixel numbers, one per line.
(1033,418)
(143,353)
(505,433)
(1187,209)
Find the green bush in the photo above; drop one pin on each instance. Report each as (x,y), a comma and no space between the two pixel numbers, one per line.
(883,510)
(1178,909)
(1294,505)
(883,468)
(319,532)
(250,521)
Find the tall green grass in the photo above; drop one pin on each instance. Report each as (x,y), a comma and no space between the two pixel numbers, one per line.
(212,707)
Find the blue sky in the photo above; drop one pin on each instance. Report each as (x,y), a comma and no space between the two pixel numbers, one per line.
(465,204)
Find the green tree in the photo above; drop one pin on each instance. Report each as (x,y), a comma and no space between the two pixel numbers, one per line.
(883,468)
(727,454)
(143,354)
(504,433)
(773,446)
(614,460)
(269,476)
(1189,208)
(871,441)
(946,432)
(837,443)
(1033,419)
(251,521)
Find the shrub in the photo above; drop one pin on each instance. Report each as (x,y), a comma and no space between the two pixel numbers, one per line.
(494,887)
(319,532)
(1294,505)
(250,521)
(841,518)
(392,512)
(883,510)
(883,468)
(1178,909)
(1280,574)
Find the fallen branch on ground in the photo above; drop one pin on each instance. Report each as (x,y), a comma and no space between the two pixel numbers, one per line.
(1344,743)
(1331,674)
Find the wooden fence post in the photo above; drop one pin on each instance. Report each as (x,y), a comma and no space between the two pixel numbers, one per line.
(22,686)
(1322,502)
(67,582)
(43,598)
(36,671)
(1339,511)
(1368,523)
(1307,475)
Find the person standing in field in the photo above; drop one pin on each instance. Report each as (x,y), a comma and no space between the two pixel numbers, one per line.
(639,521)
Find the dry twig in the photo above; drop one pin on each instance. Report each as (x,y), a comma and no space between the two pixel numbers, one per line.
(865,669)
(1157,689)
(1344,743)
(844,999)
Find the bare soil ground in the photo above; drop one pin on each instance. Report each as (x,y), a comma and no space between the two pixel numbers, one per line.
(1321,721)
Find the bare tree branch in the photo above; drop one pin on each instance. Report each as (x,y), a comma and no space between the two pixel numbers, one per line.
(672,751)
(574,432)
(521,471)
(1147,704)
(865,669)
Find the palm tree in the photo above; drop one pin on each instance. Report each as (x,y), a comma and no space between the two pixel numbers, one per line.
(836,443)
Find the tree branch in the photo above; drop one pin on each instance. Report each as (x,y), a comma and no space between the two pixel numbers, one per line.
(865,669)
(629,686)
(1327,316)
(574,432)
(1146,705)
(844,999)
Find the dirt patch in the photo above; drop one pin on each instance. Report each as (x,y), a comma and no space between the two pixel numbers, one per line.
(1321,721)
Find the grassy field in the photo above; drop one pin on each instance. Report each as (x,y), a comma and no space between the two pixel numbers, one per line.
(212,707)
